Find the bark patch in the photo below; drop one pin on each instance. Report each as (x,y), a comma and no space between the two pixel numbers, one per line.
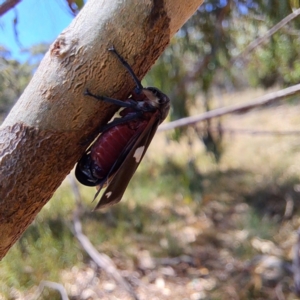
(32,166)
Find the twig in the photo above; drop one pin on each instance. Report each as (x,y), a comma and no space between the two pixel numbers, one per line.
(289,207)
(261,101)
(52,285)
(198,68)
(171,261)
(267,35)
(102,260)
(255,132)
(7,5)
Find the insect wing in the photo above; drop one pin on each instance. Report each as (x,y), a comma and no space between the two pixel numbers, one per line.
(117,186)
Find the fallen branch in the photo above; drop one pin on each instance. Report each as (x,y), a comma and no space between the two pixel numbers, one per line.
(52,285)
(237,108)
(102,260)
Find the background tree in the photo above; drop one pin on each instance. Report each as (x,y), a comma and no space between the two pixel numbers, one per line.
(199,60)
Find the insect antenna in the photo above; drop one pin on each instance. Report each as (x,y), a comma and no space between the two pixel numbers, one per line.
(138,83)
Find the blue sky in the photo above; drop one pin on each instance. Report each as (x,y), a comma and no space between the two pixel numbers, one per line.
(38,21)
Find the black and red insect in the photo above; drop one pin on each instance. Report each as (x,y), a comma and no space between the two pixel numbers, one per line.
(115,155)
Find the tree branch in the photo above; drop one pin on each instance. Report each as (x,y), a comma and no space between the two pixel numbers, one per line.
(257,42)
(52,123)
(253,131)
(7,5)
(238,108)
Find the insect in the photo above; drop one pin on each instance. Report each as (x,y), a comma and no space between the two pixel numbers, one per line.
(115,155)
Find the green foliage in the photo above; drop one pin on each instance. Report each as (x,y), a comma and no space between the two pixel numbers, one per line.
(75,5)
(199,59)
(14,76)
(44,249)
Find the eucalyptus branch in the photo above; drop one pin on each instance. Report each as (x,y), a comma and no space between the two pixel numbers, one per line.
(237,108)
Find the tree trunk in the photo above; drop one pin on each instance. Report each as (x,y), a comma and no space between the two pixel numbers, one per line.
(52,123)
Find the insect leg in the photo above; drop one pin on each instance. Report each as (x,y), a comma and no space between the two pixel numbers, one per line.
(122,120)
(138,83)
(130,104)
